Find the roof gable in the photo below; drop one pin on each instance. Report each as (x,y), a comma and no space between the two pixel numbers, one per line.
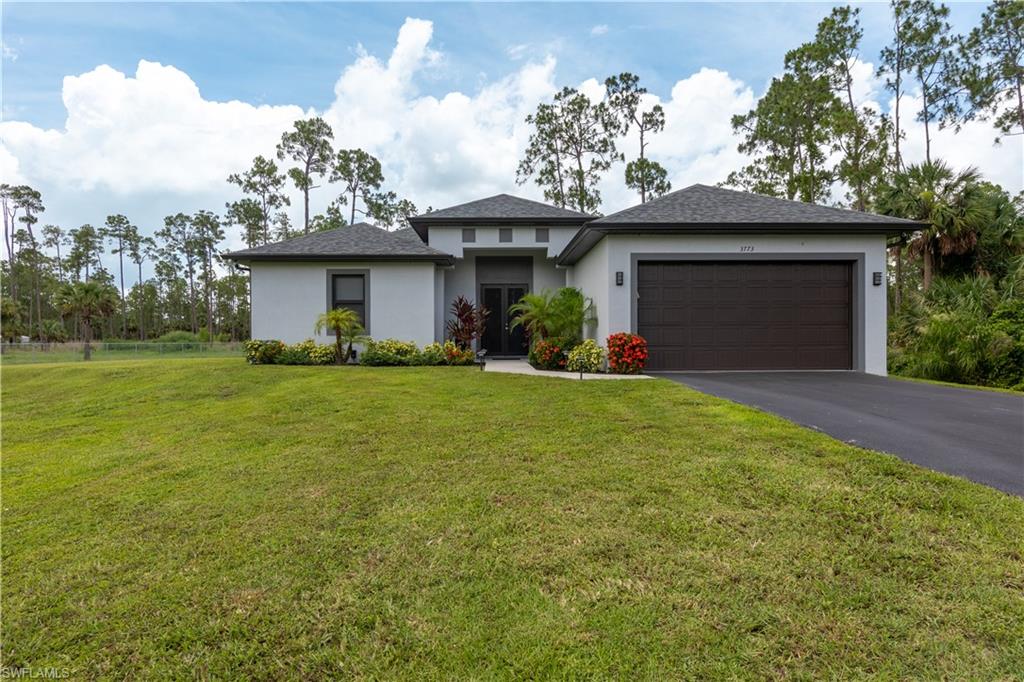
(360,240)
(703,204)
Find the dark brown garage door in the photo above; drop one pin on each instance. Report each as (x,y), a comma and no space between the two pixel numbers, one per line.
(732,316)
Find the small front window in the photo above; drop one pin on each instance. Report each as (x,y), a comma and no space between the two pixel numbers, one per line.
(349,291)
(542,235)
(505,235)
(468,235)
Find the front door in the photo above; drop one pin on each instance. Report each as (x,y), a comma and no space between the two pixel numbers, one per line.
(498,338)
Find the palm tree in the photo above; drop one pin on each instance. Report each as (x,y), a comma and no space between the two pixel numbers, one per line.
(347,331)
(89,301)
(533,313)
(554,314)
(952,204)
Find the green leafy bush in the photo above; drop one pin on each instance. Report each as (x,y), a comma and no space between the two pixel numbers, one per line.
(188,340)
(263,352)
(447,353)
(432,354)
(293,355)
(321,354)
(389,352)
(307,352)
(549,315)
(964,330)
(1005,327)
(550,354)
(586,357)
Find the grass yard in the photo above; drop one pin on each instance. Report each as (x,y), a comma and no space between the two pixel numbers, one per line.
(209,519)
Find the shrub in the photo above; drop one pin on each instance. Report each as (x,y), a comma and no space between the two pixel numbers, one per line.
(308,352)
(321,354)
(586,357)
(293,355)
(562,313)
(454,355)
(1005,327)
(262,352)
(188,340)
(550,354)
(627,353)
(962,330)
(389,352)
(467,323)
(432,354)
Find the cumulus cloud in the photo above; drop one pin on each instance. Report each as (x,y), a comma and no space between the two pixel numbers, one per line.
(599,30)
(150,131)
(130,138)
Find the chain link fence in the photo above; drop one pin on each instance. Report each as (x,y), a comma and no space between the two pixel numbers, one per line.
(24,353)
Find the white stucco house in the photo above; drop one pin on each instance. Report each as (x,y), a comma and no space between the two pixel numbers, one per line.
(714,279)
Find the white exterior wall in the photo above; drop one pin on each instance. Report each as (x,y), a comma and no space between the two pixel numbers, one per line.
(449,239)
(595,275)
(287,297)
(590,275)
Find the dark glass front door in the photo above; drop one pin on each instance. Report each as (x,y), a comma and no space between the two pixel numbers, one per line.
(498,339)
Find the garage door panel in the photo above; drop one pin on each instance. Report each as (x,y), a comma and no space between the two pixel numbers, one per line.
(746,315)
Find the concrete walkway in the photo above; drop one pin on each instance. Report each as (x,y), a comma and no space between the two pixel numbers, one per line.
(523,367)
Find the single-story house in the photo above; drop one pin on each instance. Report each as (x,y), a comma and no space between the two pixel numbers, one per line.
(714,279)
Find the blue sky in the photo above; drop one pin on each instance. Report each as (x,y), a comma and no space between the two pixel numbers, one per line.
(290,53)
(145,108)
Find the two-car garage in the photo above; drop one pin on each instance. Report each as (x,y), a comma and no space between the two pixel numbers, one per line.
(720,280)
(746,315)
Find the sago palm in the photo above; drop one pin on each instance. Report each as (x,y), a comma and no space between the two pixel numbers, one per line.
(951,203)
(89,301)
(347,329)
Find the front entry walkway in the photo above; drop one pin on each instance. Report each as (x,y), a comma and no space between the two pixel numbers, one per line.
(961,431)
(523,367)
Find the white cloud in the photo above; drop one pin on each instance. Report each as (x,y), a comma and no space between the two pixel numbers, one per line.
(143,144)
(150,131)
(599,30)
(517,52)
(8,52)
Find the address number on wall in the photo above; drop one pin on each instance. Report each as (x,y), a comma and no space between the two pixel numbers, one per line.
(746,249)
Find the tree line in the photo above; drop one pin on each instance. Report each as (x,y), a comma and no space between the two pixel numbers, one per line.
(56,287)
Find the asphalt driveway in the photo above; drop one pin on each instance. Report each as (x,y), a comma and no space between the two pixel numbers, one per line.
(961,431)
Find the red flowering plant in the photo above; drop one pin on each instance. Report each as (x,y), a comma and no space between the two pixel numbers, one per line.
(550,353)
(627,353)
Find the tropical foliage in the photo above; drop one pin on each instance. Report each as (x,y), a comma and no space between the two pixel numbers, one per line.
(347,330)
(467,322)
(89,302)
(965,330)
(564,313)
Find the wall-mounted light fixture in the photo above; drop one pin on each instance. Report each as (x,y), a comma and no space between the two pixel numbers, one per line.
(876,279)
(618,278)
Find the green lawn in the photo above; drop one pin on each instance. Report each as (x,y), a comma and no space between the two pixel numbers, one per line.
(209,519)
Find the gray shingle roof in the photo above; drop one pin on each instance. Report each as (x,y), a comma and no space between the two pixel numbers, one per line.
(501,207)
(358,241)
(699,204)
